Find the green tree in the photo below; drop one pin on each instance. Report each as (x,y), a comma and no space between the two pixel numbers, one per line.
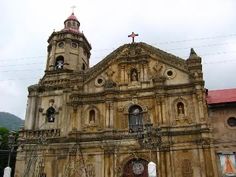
(4,152)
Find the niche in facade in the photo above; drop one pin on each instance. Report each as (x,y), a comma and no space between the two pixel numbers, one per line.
(134,75)
(180,108)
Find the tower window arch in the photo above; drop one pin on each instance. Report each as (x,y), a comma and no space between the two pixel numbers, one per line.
(135,118)
(92,116)
(50,114)
(59,62)
(180,108)
(68,24)
(134,75)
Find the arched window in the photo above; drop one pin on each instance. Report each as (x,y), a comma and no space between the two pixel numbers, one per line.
(92,116)
(180,108)
(134,75)
(59,62)
(50,113)
(135,118)
(68,24)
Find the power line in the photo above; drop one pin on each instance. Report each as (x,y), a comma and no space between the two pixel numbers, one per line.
(25,64)
(23,58)
(28,78)
(197,39)
(155,44)
(42,69)
(22,70)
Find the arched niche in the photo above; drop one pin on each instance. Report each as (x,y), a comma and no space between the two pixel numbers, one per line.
(91,117)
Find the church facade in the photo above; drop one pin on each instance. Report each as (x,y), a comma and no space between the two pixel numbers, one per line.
(137,105)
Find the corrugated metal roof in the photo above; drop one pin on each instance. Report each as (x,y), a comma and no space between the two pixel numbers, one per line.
(221,96)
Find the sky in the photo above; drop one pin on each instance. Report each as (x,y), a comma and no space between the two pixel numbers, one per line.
(175,26)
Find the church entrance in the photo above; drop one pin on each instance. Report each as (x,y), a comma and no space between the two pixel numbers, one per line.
(136,168)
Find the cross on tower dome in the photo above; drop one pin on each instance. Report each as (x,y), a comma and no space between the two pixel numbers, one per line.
(72,24)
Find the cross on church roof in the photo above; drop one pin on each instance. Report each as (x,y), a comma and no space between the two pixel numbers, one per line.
(133,35)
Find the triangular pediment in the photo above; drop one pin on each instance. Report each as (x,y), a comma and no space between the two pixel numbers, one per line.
(134,52)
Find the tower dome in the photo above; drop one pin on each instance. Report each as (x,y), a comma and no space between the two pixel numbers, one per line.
(72,24)
(68,49)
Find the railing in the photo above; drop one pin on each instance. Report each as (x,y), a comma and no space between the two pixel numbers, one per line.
(34,134)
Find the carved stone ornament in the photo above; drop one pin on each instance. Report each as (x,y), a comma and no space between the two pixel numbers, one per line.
(110,84)
(109,72)
(187,169)
(133,50)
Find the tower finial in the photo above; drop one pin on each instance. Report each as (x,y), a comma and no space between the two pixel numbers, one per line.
(73,8)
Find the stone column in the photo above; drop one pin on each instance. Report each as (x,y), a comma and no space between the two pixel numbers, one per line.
(163,110)
(200,105)
(109,162)
(168,165)
(158,116)
(201,162)
(163,164)
(122,73)
(30,113)
(67,57)
(109,114)
(51,57)
(145,72)
(214,161)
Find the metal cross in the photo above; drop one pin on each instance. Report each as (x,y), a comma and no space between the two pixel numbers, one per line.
(73,8)
(133,35)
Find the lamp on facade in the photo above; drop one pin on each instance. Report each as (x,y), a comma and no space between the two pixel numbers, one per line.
(148,127)
(149,137)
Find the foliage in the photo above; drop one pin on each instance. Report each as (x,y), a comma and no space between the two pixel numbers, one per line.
(4,151)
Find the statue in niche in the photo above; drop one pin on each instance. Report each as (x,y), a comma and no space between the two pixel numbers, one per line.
(92,116)
(134,75)
(180,108)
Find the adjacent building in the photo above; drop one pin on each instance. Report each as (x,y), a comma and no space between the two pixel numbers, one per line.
(222,116)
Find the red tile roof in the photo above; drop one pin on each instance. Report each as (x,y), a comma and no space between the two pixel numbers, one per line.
(221,96)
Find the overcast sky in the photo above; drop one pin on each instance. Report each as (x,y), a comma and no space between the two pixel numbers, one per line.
(209,26)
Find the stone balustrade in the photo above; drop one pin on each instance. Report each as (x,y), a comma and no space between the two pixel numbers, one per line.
(34,134)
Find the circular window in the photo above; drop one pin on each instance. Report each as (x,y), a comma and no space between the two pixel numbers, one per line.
(170,73)
(61,44)
(231,121)
(99,81)
(74,45)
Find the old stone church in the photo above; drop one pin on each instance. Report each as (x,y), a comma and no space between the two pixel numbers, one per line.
(139,104)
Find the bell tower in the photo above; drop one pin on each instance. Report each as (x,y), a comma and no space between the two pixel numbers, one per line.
(68,49)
